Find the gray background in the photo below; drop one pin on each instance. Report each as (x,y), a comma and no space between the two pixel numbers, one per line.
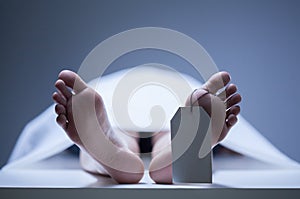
(256,41)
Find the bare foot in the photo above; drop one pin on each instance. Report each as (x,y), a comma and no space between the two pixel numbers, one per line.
(225,104)
(81,113)
(224,116)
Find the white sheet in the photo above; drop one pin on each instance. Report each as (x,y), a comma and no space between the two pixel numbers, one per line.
(42,137)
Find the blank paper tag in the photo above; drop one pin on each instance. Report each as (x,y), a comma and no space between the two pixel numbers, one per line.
(189,128)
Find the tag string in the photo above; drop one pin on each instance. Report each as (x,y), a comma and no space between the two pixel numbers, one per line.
(191,99)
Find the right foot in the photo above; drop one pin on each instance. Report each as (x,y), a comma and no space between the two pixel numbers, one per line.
(81,113)
(223,115)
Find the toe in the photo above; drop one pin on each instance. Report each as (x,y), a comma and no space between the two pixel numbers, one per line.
(62,121)
(230,90)
(217,81)
(58,98)
(62,88)
(72,80)
(235,110)
(231,120)
(60,109)
(233,100)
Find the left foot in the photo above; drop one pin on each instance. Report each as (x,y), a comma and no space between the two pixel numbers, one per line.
(82,115)
(223,115)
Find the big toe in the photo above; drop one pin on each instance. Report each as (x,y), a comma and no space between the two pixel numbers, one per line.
(217,82)
(72,80)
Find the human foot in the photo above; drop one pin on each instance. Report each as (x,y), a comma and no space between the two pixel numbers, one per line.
(223,115)
(222,107)
(81,113)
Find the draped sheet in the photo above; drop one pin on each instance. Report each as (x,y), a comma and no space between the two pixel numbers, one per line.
(42,137)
